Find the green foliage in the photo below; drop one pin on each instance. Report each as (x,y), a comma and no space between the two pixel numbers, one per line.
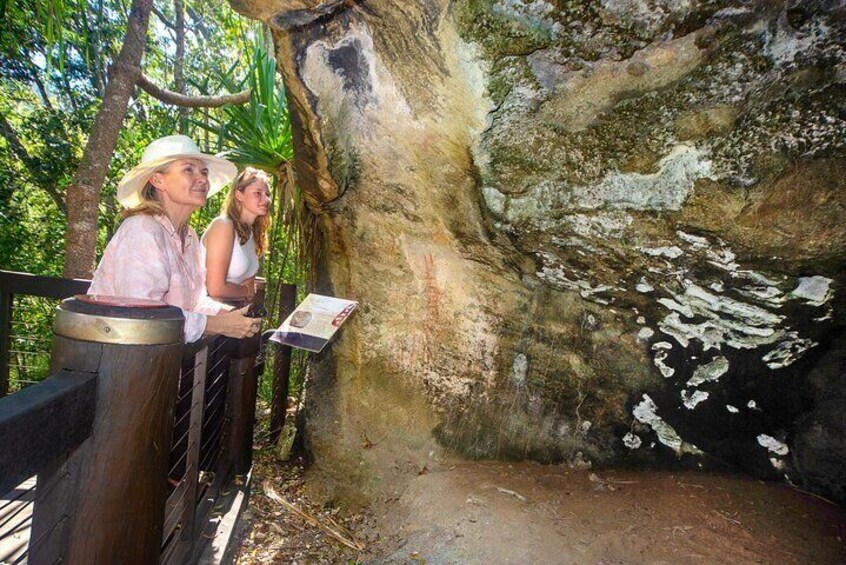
(55,55)
(258,133)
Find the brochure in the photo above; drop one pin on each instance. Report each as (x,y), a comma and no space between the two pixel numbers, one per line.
(313,323)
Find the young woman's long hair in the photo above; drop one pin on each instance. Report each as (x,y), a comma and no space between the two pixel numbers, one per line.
(232,209)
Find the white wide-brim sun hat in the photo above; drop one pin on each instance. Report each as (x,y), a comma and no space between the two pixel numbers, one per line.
(161,152)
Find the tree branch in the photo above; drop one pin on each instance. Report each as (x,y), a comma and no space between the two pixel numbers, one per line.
(198,23)
(170,97)
(161,15)
(36,175)
(42,90)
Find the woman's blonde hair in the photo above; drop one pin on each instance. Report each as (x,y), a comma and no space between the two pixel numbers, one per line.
(150,203)
(232,210)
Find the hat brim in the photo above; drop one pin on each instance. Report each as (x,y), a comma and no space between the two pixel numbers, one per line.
(221,173)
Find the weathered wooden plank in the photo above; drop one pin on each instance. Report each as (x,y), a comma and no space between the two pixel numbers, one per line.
(37,285)
(55,501)
(15,517)
(43,422)
(217,542)
(58,483)
(173,509)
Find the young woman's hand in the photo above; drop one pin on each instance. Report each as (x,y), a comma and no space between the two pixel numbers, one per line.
(234,323)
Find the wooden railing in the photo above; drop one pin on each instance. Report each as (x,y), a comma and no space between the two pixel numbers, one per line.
(20,342)
(134,439)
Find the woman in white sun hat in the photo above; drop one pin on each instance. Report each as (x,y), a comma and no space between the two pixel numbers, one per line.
(155,254)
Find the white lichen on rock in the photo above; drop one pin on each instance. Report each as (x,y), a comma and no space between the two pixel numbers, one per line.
(665,369)
(646,413)
(783,46)
(815,290)
(519,370)
(670,252)
(645,333)
(711,371)
(666,189)
(632,441)
(644,286)
(772,444)
(788,351)
(690,400)
(646,15)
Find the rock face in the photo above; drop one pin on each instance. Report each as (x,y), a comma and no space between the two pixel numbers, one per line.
(609,232)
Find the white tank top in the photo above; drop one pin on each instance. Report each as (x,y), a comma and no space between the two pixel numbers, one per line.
(244,262)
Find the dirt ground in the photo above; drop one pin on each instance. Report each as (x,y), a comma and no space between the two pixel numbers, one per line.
(494,512)
(529,513)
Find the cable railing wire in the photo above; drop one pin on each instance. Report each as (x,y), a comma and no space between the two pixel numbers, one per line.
(11,515)
(28,361)
(36,545)
(30,340)
(9,501)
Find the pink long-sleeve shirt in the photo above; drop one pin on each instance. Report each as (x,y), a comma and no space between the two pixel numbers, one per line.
(146,259)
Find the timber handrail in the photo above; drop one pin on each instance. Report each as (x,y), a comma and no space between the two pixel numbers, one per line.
(38,285)
(26,284)
(97,431)
(42,423)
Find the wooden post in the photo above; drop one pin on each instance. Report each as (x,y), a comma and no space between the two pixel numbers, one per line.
(241,398)
(5,339)
(105,502)
(281,365)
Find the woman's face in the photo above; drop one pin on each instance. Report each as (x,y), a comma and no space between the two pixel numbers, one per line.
(183,183)
(254,199)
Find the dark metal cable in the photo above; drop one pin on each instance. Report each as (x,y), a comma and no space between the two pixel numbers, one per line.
(13,514)
(214,436)
(18,497)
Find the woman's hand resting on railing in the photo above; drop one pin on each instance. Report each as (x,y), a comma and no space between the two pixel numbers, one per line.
(234,323)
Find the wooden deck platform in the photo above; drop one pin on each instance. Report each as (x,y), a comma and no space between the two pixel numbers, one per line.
(218,532)
(15,523)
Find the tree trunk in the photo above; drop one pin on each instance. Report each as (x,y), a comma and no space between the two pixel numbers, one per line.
(83,194)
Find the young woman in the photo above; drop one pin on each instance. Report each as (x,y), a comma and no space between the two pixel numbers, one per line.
(236,239)
(155,254)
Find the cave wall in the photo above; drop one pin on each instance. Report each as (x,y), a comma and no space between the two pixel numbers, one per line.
(593,232)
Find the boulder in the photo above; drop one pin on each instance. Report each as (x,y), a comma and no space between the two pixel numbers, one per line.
(579,231)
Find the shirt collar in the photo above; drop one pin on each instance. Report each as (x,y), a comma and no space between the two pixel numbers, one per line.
(190,236)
